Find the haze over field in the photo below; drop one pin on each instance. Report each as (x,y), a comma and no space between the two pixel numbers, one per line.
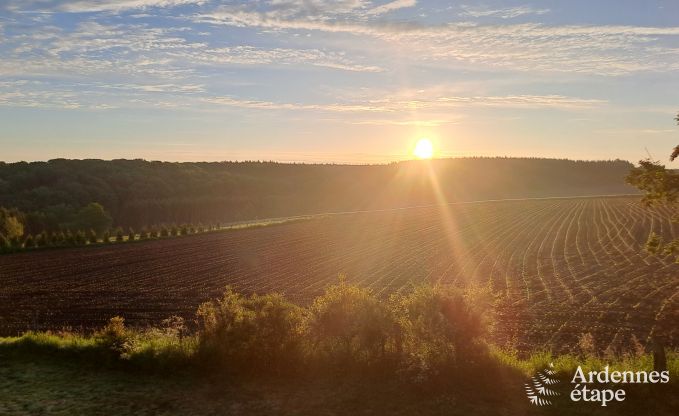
(336,81)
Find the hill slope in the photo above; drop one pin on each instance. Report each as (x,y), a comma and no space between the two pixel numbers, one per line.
(138,192)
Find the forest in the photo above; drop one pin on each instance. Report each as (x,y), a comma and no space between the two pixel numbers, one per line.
(63,194)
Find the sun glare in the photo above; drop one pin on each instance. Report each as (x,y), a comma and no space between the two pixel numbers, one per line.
(424,149)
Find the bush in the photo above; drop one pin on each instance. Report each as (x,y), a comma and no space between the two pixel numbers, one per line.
(5,246)
(439,330)
(42,240)
(120,236)
(131,235)
(115,337)
(29,242)
(92,237)
(349,325)
(70,239)
(251,334)
(80,238)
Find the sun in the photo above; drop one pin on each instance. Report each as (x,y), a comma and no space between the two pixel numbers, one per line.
(424,149)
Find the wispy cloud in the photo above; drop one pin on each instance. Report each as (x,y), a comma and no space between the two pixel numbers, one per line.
(84,6)
(388,105)
(504,13)
(602,50)
(391,6)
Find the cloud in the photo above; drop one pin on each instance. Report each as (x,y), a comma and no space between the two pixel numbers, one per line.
(507,13)
(249,55)
(417,123)
(85,6)
(602,50)
(391,6)
(404,105)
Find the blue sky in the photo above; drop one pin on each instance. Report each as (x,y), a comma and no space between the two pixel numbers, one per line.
(354,81)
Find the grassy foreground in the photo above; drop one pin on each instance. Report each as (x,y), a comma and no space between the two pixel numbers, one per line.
(41,375)
(419,353)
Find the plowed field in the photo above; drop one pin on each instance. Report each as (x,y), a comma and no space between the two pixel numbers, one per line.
(564,267)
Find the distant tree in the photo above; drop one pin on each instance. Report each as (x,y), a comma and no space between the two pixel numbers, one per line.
(29,242)
(106,237)
(144,233)
(200,228)
(164,232)
(154,232)
(120,236)
(42,239)
(94,216)
(92,237)
(184,229)
(5,246)
(131,235)
(70,238)
(661,187)
(10,223)
(174,231)
(54,239)
(80,238)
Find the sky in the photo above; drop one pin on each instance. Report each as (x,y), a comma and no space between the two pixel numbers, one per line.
(345,81)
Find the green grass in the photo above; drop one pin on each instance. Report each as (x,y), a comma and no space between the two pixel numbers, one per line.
(68,374)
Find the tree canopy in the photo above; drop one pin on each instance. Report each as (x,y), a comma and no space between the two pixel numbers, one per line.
(661,188)
(82,194)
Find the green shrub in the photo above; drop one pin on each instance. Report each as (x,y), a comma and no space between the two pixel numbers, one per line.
(251,334)
(92,237)
(440,331)
(29,242)
(120,236)
(115,337)
(349,326)
(42,239)
(80,238)
(5,246)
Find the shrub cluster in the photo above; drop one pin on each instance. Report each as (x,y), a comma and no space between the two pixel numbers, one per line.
(423,335)
(427,334)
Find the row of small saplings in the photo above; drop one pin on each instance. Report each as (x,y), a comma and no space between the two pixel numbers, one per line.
(71,238)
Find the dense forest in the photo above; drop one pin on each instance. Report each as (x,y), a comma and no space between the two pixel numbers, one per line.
(70,194)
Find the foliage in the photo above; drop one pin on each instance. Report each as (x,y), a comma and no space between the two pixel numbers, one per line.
(661,188)
(92,216)
(114,336)
(84,194)
(440,330)
(257,333)
(11,225)
(120,236)
(348,324)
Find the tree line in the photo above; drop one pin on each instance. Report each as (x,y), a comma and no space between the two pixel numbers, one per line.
(69,238)
(71,195)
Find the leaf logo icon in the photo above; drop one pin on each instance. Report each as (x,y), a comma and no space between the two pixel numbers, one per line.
(537,389)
